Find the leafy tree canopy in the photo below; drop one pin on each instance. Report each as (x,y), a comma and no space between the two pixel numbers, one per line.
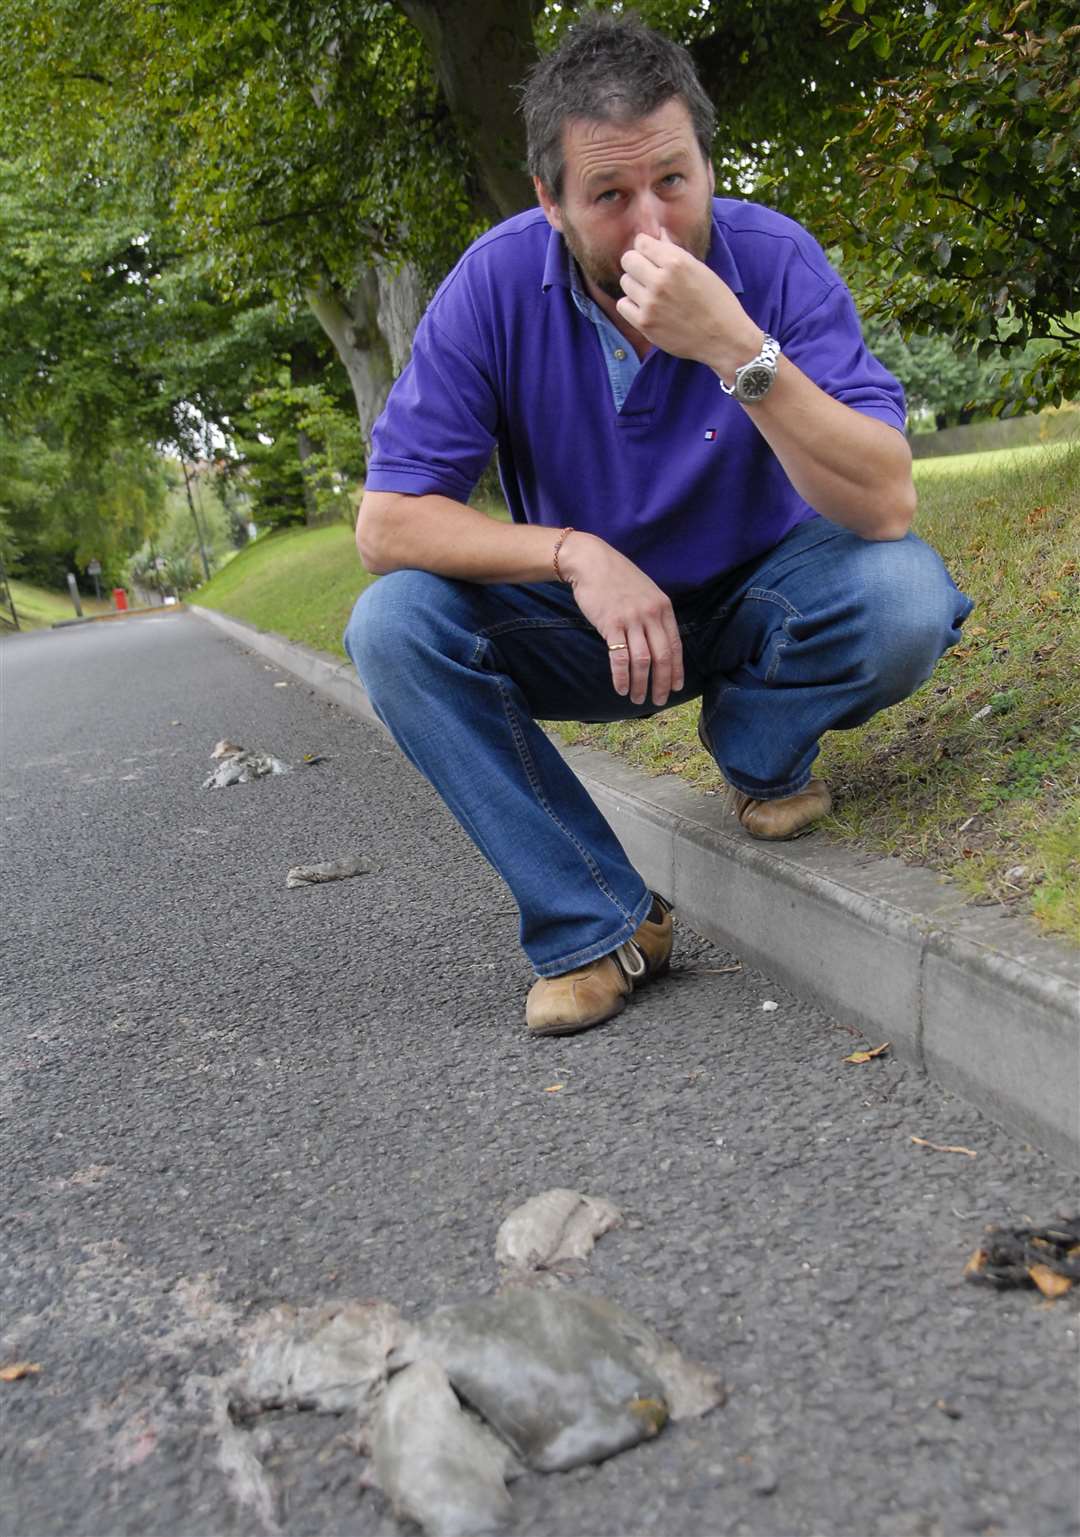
(284,138)
(281,146)
(967,213)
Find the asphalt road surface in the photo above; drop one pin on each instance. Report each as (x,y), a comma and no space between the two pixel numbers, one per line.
(219,1094)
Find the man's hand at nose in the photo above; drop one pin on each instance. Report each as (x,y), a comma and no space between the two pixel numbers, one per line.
(682,306)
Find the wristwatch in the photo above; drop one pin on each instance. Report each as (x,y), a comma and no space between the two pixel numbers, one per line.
(754,380)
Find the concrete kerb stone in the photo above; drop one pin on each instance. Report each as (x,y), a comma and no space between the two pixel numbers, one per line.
(806,927)
(156,610)
(982,1005)
(974,997)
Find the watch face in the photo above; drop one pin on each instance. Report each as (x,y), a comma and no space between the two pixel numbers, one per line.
(755,381)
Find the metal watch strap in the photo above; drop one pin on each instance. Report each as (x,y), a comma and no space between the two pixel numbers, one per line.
(769,356)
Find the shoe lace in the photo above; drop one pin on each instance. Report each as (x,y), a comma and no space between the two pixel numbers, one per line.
(630,959)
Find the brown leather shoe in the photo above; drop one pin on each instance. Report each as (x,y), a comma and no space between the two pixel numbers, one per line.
(592,994)
(786,816)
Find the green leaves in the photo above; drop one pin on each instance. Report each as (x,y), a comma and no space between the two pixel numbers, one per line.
(968,190)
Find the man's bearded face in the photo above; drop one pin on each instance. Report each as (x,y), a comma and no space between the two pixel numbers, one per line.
(604,269)
(624,179)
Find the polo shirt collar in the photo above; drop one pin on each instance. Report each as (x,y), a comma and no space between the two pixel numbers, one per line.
(719,259)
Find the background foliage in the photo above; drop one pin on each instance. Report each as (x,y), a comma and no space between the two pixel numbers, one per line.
(964,210)
(179,178)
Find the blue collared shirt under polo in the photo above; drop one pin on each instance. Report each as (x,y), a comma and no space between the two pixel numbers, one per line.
(622,361)
(675,475)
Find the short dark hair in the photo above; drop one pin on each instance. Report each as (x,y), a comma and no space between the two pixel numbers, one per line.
(607,69)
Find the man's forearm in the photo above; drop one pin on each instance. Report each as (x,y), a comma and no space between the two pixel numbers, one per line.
(625,607)
(853,469)
(435,533)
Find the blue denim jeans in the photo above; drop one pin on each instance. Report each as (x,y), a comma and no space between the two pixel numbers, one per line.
(817,635)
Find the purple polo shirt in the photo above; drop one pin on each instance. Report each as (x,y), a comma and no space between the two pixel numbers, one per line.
(678,479)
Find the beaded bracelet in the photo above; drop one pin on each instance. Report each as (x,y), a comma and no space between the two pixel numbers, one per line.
(560,541)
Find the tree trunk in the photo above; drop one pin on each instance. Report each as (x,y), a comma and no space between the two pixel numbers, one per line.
(480,51)
(371,328)
(305,368)
(350,320)
(401,303)
(304,450)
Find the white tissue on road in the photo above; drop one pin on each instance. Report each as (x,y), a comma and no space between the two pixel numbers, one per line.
(451,1407)
(550,1229)
(332,870)
(437,1464)
(554,1375)
(331,1358)
(237,766)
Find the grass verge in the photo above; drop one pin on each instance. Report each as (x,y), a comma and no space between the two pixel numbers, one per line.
(38,608)
(977,775)
(300,582)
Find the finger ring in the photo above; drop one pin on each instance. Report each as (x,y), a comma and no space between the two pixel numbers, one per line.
(620,645)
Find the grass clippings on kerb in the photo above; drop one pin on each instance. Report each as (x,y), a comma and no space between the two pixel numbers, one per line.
(978,774)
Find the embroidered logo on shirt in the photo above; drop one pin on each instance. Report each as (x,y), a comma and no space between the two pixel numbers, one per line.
(710,434)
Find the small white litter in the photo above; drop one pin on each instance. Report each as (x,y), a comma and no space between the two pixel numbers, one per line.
(332,870)
(237,766)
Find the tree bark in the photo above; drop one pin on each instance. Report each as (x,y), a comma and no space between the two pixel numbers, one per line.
(480,51)
(304,368)
(402,301)
(371,328)
(350,320)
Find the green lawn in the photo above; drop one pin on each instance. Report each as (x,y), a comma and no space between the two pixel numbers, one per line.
(977,775)
(38,608)
(300,582)
(995,462)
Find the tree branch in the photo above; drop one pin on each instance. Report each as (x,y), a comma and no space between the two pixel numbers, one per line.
(88,74)
(296,213)
(1003,224)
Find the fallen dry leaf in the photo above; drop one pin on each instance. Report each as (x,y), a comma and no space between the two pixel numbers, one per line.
(553,1088)
(1048,1281)
(868,1056)
(938,1147)
(977,1263)
(1028,1256)
(18,1369)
